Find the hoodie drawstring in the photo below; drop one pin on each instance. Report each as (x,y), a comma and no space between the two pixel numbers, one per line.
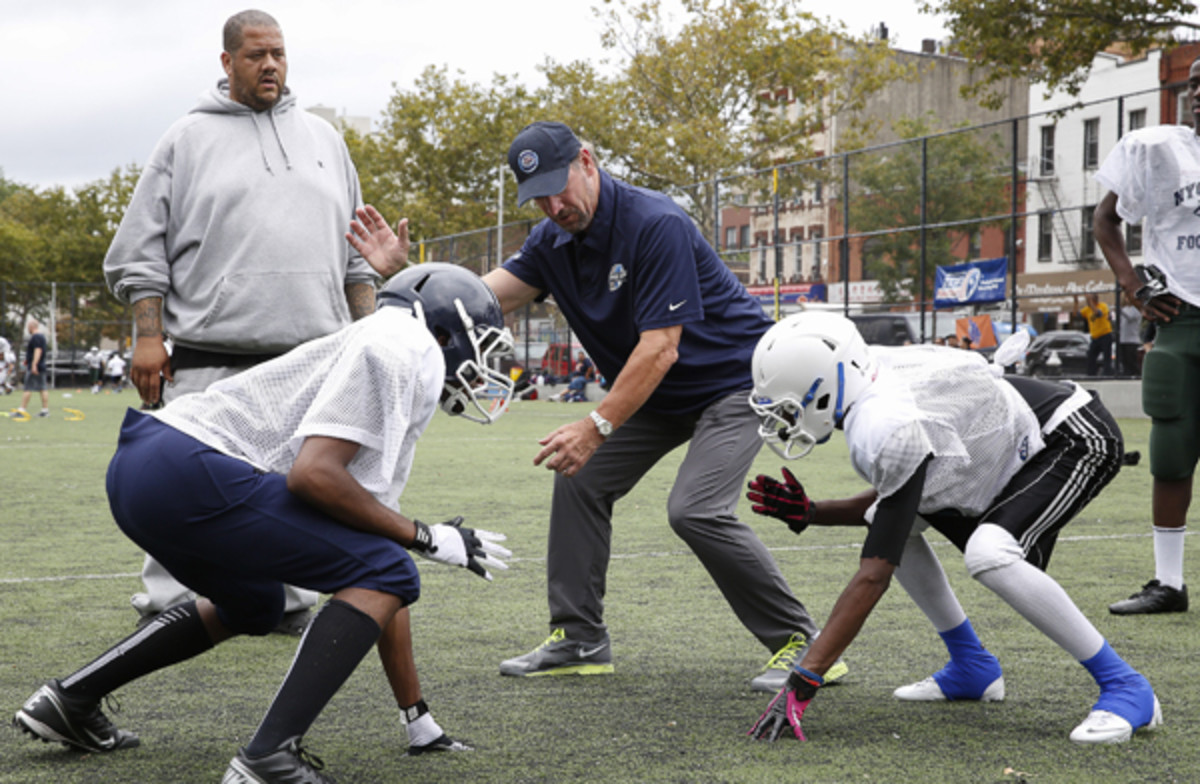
(262,149)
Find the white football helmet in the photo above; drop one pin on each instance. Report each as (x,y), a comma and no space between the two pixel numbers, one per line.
(808,370)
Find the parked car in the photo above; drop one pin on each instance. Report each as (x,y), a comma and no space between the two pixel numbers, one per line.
(1068,346)
(900,329)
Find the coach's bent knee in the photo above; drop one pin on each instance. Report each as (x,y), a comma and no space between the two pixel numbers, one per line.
(990,547)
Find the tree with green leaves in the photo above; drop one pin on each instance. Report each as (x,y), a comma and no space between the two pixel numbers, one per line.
(728,86)
(56,234)
(1053,41)
(964,181)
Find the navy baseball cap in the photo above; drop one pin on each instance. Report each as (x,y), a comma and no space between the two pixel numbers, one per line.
(540,156)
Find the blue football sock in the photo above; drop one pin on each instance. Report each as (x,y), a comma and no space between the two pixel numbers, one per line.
(1123,690)
(971,668)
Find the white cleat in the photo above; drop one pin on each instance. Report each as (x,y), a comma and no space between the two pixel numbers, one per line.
(929,691)
(1103,726)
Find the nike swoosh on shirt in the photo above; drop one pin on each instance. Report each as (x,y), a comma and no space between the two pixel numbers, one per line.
(677,305)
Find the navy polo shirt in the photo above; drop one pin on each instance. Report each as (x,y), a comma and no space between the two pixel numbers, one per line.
(642,264)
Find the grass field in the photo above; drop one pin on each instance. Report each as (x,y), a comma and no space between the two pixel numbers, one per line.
(677,708)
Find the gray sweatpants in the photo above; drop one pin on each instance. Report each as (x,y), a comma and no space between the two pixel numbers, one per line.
(701,510)
(163,590)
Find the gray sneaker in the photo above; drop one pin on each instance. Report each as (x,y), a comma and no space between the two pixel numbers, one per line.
(779,666)
(289,764)
(560,656)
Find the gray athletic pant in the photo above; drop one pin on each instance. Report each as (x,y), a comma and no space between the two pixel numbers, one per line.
(163,590)
(701,510)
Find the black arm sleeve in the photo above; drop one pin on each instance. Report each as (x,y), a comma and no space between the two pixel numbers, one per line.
(894,519)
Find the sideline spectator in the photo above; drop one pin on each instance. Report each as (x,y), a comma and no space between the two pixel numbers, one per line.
(1100,350)
(95,365)
(35,370)
(114,371)
(1129,349)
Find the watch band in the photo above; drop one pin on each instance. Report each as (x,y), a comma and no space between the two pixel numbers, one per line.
(603,426)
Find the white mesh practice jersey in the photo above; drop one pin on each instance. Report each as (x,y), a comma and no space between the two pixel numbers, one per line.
(375,383)
(945,402)
(1155,173)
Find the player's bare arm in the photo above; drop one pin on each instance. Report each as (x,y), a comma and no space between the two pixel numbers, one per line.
(150,362)
(512,292)
(360,297)
(850,611)
(1110,238)
(384,249)
(319,477)
(568,448)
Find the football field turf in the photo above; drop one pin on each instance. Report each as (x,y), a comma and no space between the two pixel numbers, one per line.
(678,706)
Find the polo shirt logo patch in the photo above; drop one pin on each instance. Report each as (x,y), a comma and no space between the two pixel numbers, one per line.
(527,161)
(616,277)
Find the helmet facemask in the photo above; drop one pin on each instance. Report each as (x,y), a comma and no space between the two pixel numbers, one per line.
(474,389)
(808,370)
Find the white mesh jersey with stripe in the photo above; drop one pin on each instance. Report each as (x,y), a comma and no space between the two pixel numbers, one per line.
(375,382)
(948,403)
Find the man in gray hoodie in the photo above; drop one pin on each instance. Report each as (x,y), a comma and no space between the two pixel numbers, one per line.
(233,243)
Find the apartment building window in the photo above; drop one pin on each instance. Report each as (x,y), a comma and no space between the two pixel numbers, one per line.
(1088,251)
(974,244)
(1046,167)
(744,237)
(817,233)
(1137,119)
(1183,114)
(1133,239)
(1045,236)
(1091,143)
(731,237)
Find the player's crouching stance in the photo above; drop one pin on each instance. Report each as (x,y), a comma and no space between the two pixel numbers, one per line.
(997,465)
(290,473)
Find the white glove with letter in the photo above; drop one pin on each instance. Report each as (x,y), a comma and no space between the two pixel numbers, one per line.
(453,543)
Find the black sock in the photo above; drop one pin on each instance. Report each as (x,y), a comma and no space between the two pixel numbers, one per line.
(336,641)
(174,635)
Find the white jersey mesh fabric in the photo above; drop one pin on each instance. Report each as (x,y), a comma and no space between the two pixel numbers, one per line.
(944,402)
(375,382)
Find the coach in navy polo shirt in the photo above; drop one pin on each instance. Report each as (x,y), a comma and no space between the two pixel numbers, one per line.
(666,320)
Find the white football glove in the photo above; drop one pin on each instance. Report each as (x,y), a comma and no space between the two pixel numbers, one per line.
(452,543)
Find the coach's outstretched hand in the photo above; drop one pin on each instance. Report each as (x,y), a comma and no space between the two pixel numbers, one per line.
(784,500)
(453,543)
(788,706)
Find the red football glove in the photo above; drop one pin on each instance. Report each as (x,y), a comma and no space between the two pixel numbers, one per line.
(784,500)
(788,706)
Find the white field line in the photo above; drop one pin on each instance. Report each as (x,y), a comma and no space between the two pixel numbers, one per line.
(614,557)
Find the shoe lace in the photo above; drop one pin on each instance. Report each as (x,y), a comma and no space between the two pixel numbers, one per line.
(95,720)
(308,759)
(558,635)
(785,657)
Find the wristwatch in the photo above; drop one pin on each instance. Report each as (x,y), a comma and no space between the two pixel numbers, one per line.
(603,426)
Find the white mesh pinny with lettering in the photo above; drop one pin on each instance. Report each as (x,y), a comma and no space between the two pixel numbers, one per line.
(945,402)
(375,382)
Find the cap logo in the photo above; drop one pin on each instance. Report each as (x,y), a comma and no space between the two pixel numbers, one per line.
(527,161)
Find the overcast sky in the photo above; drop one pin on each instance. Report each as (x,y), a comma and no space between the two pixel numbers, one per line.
(90,85)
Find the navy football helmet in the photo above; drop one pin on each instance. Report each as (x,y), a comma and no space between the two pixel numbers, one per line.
(465,318)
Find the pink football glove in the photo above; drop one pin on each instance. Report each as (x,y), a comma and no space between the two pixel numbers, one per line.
(788,706)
